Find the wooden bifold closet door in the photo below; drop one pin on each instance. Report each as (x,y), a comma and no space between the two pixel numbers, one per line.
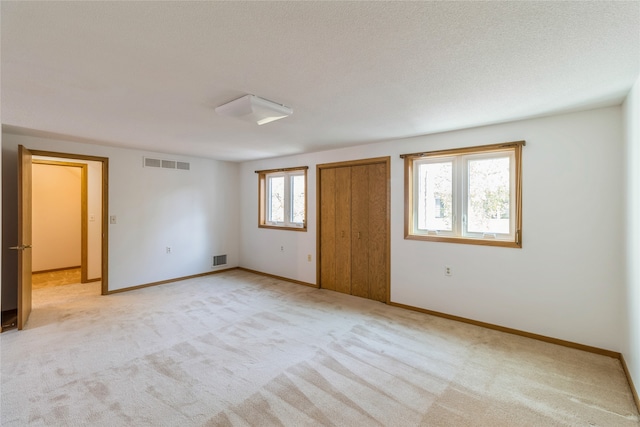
(354,228)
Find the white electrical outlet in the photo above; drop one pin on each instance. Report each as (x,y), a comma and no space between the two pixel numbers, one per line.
(281,248)
(168,249)
(447,270)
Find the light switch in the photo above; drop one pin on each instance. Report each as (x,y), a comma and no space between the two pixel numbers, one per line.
(92,218)
(112,219)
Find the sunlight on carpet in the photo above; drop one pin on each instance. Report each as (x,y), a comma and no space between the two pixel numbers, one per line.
(67,276)
(238,349)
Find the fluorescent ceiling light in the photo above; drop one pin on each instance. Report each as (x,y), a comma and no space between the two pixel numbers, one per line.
(254,109)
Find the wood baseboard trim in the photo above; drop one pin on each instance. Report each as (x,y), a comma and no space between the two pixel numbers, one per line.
(56,269)
(163,282)
(97,279)
(544,338)
(273,276)
(634,392)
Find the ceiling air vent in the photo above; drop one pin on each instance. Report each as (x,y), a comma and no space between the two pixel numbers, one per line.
(166,164)
(219,260)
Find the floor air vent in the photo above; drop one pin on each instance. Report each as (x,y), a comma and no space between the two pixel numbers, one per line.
(219,260)
(166,164)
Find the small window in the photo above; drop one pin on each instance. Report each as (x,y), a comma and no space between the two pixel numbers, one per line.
(469,195)
(283,198)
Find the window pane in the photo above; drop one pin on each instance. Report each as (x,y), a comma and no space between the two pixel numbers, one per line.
(297,199)
(275,193)
(434,196)
(488,202)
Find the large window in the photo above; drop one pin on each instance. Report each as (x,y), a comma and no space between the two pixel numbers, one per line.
(468,195)
(283,198)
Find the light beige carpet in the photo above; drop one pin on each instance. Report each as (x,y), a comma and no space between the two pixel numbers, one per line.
(237,349)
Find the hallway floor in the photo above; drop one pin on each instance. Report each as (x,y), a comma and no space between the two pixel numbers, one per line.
(55,278)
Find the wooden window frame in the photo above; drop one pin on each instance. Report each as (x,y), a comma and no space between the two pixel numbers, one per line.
(409,211)
(262,198)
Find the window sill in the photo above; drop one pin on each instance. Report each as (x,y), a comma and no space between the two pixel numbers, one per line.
(282,227)
(465,241)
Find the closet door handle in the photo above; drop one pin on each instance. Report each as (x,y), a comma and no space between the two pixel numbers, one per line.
(359,234)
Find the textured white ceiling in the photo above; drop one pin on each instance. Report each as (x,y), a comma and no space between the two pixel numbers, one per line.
(148,75)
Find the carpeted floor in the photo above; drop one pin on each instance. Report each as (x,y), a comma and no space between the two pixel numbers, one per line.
(237,349)
(67,276)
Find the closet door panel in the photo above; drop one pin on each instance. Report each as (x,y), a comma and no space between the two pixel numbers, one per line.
(377,241)
(360,231)
(343,229)
(328,229)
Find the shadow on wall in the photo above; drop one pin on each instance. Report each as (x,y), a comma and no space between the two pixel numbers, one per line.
(9,227)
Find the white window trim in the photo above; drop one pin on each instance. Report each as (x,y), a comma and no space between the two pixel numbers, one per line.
(463,178)
(416,190)
(460,158)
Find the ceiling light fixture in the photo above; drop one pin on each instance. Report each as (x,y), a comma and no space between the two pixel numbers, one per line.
(254,109)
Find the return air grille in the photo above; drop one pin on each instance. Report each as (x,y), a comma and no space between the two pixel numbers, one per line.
(219,260)
(152,163)
(165,164)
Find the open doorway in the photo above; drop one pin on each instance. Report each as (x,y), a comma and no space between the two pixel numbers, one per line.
(58,209)
(25,211)
(67,230)
(66,226)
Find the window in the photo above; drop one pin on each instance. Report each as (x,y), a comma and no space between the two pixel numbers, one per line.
(467,195)
(283,198)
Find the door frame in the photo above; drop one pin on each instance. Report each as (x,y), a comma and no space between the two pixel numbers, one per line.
(104,273)
(361,162)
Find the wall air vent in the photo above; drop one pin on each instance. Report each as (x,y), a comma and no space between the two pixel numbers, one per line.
(166,164)
(219,260)
(152,163)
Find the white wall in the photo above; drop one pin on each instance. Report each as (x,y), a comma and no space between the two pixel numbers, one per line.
(195,212)
(56,217)
(567,280)
(631,347)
